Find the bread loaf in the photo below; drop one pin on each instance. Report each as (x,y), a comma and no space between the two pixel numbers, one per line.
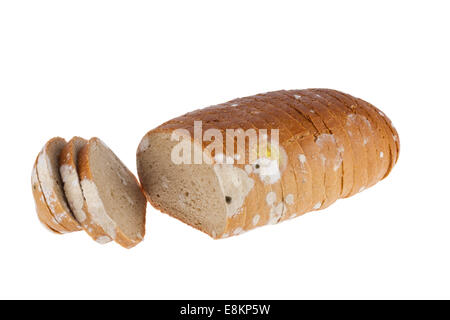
(322,145)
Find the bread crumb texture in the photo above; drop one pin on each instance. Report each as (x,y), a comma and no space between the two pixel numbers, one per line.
(97,209)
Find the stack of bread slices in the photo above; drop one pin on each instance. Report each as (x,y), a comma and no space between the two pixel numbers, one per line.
(82,185)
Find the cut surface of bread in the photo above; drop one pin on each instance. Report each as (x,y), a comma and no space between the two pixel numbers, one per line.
(52,186)
(73,191)
(113,198)
(196,194)
(322,155)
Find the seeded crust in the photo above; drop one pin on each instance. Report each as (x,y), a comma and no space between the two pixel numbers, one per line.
(94,205)
(338,137)
(73,191)
(51,184)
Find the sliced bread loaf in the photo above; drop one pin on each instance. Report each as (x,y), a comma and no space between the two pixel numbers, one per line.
(323,155)
(113,199)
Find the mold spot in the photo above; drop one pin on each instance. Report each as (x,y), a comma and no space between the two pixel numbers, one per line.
(271,198)
(289,199)
(256,219)
(228,199)
(302,158)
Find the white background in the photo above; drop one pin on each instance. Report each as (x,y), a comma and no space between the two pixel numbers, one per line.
(116,69)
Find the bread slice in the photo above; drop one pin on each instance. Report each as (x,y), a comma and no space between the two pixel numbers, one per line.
(72,188)
(52,185)
(113,198)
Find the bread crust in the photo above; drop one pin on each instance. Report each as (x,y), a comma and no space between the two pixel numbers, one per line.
(384,147)
(363,121)
(334,158)
(332,122)
(328,148)
(389,129)
(311,148)
(344,115)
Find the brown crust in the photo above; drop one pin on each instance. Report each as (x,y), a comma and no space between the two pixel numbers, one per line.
(311,148)
(84,171)
(359,153)
(335,159)
(342,121)
(333,123)
(389,130)
(380,133)
(303,138)
(328,149)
